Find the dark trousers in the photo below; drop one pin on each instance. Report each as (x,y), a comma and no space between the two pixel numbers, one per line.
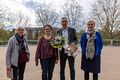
(86,76)
(63,58)
(47,66)
(18,72)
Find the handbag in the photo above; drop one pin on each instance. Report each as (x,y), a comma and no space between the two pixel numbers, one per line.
(71,49)
(23,57)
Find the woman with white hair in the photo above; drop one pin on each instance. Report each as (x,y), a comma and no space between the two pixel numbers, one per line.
(17,54)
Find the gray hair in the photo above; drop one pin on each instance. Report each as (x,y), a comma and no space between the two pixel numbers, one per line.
(20,27)
(64,18)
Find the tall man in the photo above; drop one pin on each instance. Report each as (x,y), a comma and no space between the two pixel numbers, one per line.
(71,37)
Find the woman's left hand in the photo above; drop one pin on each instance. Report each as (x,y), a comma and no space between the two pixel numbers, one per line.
(28,56)
(28,60)
(56,61)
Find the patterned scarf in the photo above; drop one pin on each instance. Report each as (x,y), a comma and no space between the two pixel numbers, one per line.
(90,48)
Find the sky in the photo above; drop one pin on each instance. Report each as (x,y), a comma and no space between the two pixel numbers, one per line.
(16,6)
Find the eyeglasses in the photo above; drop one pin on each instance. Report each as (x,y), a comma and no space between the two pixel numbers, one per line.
(47,29)
(91,24)
(64,21)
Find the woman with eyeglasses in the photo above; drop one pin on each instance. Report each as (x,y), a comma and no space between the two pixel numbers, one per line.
(46,54)
(91,46)
(17,54)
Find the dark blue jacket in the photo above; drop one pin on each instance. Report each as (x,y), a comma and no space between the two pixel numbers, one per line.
(72,36)
(99,43)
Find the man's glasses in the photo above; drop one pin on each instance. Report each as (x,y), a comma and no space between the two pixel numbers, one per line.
(64,21)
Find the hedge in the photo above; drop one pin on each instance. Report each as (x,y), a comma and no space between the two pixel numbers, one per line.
(34,42)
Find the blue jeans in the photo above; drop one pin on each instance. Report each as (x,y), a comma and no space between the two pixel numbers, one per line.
(47,66)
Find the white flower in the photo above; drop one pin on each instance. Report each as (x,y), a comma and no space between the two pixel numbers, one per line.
(58,38)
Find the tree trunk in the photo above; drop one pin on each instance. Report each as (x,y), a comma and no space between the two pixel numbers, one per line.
(111,39)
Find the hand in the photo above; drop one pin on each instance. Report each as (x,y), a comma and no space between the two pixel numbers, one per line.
(28,60)
(73,43)
(56,61)
(8,70)
(28,56)
(36,62)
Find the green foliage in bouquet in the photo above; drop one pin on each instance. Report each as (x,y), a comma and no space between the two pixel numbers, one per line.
(58,42)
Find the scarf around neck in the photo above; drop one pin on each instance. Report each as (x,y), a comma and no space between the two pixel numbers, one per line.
(20,42)
(90,48)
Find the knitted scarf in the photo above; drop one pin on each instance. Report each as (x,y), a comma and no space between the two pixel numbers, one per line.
(20,42)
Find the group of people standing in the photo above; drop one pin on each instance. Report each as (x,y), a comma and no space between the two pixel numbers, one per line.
(91,45)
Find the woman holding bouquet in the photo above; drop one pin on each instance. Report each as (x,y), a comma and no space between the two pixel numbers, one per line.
(46,54)
(91,45)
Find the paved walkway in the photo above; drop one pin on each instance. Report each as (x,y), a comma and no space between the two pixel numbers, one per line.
(110,66)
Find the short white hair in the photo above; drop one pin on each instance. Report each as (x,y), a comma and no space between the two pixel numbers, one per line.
(20,27)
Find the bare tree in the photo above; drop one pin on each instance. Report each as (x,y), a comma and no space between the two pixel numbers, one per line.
(3,12)
(73,11)
(46,14)
(19,19)
(107,15)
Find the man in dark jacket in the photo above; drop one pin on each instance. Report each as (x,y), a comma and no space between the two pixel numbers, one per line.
(71,37)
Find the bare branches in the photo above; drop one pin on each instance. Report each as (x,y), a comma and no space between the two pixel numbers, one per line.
(19,19)
(73,11)
(107,14)
(3,12)
(46,15)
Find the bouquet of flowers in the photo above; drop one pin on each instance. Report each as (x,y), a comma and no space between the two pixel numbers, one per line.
(58,42)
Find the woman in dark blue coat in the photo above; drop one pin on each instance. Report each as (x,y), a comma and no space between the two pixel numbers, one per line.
(91,45)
